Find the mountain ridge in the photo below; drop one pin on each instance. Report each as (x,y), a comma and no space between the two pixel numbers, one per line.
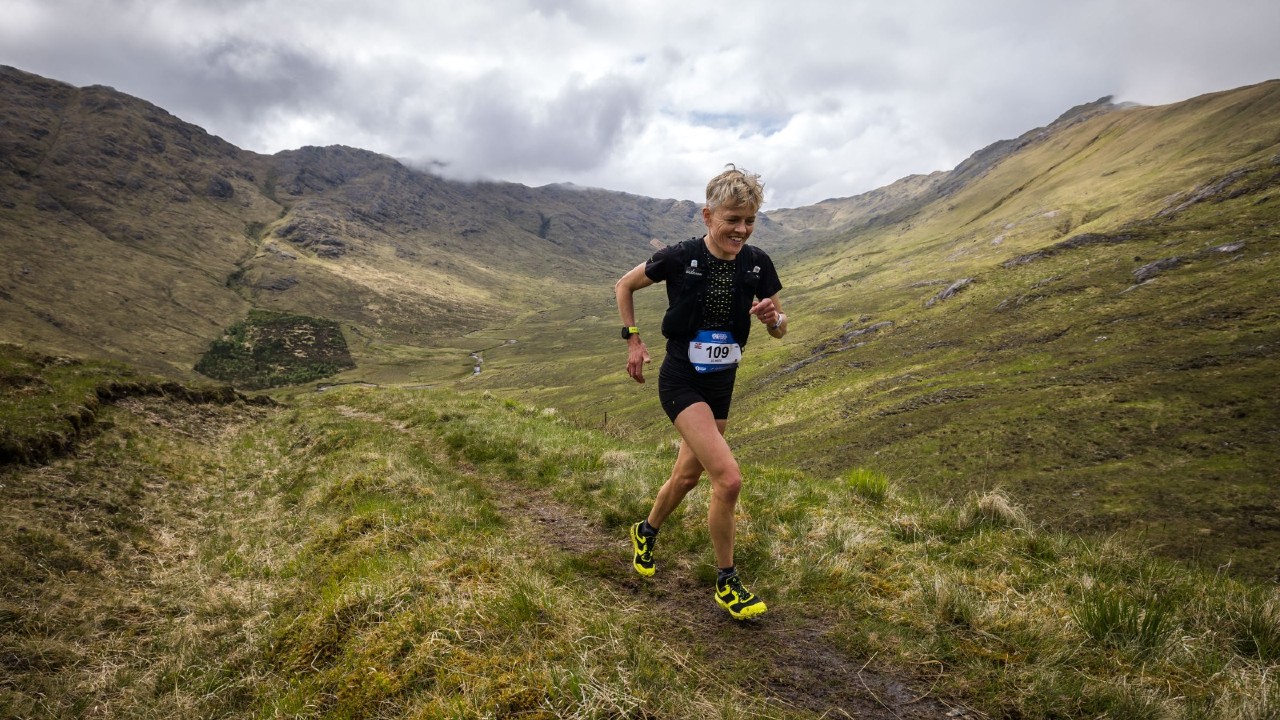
(897,201)
(224,229)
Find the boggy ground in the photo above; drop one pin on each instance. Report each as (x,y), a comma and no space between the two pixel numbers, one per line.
(786,652)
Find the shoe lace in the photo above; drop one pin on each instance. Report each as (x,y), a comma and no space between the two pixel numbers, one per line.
(735,584)
(646,548)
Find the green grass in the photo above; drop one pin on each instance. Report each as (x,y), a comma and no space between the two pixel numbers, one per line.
(370,552)
(868,484)
(47,401)
(1122,621)
(1257,628)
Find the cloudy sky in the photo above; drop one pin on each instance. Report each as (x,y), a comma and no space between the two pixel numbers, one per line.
(823,98)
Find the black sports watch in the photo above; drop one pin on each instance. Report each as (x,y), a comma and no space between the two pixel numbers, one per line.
(627,332)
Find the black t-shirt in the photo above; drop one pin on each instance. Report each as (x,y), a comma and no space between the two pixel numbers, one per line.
(668,264)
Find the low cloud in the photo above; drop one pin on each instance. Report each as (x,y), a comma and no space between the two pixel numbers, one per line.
(824,99)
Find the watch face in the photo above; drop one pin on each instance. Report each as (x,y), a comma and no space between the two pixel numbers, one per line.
(626,332)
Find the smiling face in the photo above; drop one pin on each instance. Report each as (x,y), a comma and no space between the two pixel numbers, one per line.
(728,228)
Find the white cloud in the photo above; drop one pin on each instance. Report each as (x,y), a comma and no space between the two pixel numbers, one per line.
(824,99)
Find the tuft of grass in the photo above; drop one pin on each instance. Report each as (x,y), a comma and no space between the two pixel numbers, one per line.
(1118,620)
(950,603)
(1257,627)
(870,485)
(995,509)
(906,528)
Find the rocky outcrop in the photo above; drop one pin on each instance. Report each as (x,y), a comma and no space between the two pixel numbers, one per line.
(279,284)
(949,292)
(314,234)
(1150,270)
(219,187)
(1071,243)
(845,341)
(1248,180)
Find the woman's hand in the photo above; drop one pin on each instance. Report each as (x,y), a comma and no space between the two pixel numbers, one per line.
(769,312)
(637,358)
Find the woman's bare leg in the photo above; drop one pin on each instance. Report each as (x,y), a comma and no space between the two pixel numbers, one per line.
(703,438)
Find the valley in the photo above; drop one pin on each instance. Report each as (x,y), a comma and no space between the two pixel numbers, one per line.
(1109,326)
(1058,359)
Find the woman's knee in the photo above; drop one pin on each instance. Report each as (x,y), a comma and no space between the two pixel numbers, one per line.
(727,483)
(684,481)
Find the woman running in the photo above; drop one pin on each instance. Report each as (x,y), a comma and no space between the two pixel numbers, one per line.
(716,284)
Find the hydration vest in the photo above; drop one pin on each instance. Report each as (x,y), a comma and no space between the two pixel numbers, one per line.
(686,292)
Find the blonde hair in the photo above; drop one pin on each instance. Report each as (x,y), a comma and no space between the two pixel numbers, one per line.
(735,188)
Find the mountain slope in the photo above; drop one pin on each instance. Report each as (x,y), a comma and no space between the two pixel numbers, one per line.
(897,203)
(116,238)
(139,236)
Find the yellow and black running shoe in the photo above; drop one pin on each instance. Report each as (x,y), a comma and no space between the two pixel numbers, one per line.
(643,546)
(739,601)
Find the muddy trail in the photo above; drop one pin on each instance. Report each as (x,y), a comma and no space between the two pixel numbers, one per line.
(792,659)
(790,656)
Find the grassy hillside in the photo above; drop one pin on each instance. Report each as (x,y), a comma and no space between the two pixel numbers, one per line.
(411,553)
(116,240)
(1104,356)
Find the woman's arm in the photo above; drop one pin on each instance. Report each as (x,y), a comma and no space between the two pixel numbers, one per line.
(624,289)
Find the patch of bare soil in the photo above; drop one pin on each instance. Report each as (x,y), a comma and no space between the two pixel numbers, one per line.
(791,657)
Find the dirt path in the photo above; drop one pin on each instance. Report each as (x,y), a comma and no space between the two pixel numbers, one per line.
(791,657)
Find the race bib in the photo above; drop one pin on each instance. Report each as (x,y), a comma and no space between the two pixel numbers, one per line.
(713,351)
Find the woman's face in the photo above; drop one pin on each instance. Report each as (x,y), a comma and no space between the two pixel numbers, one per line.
(728,229)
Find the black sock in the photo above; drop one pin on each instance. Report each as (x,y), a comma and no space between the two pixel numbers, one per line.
(648,530)
(725,574)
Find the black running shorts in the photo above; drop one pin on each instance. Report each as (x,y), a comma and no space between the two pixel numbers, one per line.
(680,386)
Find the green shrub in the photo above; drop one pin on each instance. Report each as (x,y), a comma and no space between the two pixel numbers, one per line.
(269,349)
